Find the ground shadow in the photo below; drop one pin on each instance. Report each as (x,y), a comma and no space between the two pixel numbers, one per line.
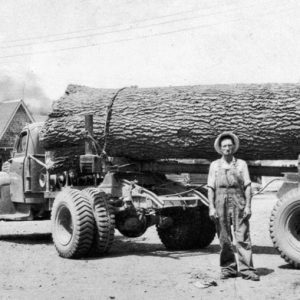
(215,248)
(264,250)
(264,271)
(32,238)
(288,267)
(123,246)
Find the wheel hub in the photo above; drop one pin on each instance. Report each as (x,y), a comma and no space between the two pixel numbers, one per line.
(64,225)
(294,225)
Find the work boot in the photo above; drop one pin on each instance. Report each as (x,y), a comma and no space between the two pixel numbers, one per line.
(227,274)
(251,276)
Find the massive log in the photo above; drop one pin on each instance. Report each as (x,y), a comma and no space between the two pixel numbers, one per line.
(177,122)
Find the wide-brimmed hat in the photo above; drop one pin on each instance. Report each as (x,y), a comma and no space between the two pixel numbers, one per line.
(227,134)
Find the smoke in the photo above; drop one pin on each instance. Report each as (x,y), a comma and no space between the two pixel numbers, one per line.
(25,87)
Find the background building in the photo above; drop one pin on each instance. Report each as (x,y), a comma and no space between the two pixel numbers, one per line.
(14,115)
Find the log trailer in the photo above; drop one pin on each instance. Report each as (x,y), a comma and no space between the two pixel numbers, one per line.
(110,192)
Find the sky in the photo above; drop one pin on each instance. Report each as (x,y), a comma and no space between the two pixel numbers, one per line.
(46,45)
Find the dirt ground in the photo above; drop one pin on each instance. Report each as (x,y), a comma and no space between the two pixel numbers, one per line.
(138,268)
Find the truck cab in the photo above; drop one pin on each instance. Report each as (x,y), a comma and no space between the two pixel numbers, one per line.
(23,173)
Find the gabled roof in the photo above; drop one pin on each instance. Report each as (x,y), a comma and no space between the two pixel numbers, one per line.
(7,111)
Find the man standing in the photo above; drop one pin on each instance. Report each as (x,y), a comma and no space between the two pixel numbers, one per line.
(229,195)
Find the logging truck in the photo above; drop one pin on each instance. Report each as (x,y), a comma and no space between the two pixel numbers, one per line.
(131,196)
(95,176)
(107,193)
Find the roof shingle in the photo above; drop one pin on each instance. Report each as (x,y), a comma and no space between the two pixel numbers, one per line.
(7,109)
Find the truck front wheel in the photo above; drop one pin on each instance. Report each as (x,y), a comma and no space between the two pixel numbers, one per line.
(285,227)
(72,224)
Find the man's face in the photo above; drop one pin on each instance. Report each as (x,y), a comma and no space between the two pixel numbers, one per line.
(227,147)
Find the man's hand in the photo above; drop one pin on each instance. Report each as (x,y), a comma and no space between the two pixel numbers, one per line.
(212,213)
(247,213)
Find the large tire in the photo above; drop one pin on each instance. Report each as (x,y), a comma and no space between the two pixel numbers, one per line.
(104,219)
(72,224)
(285,227)
(191,229)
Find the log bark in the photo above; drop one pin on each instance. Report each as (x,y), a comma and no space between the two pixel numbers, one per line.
(178,122)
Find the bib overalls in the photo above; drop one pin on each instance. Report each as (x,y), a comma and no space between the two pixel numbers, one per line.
(230,203)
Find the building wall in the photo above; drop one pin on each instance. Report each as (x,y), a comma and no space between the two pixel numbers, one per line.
(18,122)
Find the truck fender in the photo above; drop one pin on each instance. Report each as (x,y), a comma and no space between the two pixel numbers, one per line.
(4,179)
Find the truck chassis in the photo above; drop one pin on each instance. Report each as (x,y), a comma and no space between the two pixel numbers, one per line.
(86,208)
